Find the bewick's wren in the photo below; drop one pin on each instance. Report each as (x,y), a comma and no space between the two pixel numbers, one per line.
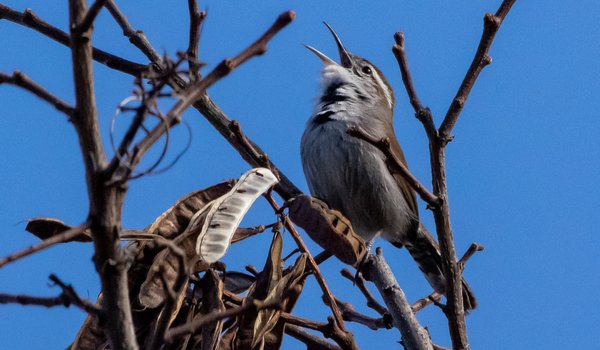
(352,175)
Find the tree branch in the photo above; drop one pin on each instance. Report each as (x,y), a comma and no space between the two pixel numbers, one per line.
(384,146)
(90,16)
(311,341)
(31,20)
(491,24)
(136,37)
(413,335)
(196,20)
(23,81)
(67,298)
(105,201)
(59,238)
(437,141)
(330,300)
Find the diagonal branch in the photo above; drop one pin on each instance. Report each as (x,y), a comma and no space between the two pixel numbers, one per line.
(136,37)
(31,20)
(197,90)
(21,80)
(384,146)
(491,24)
(90,16)
(67,298)
(59,238)
(413,335)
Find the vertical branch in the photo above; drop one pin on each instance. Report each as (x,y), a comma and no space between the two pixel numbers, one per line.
(414,337)
(196,20)
(105,201)
(438,139)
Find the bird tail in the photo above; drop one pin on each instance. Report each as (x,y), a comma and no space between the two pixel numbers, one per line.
(426,253)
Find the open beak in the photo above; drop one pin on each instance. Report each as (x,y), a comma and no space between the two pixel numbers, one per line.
(345,59)
(326,60)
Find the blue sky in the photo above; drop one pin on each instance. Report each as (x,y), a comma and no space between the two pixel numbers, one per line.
(522,171)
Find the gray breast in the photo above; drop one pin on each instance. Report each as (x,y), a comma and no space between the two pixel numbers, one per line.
(352,177)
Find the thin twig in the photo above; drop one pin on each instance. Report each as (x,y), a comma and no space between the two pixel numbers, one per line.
(473,248)
(491,24)
(21,80)
(90,16)
(422,113)
(29,19)
(351,315)
(420,304)
(191,327)
(384,146)
(311,341)
(362,286)
(312,263)
(59,238)
(136,37)
(197,89)
(196,20)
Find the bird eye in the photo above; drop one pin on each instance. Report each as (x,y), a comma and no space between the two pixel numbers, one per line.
(367,70)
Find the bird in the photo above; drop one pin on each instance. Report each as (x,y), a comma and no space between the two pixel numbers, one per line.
(353,176)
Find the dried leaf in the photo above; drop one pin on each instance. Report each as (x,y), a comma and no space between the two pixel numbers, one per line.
(167,264)
(175,219)
(267,319)
(328,228)
(267,280)
(237,282)
(44,228)
(212,291)
(228,211)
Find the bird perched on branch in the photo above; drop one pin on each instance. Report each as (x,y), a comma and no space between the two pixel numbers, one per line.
(353,176)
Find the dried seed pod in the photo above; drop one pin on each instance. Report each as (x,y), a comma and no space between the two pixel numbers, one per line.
(327,227)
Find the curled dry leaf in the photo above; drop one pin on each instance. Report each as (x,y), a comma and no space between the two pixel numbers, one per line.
(44,228)
(172,224)
(227,212)
(166,265)
(328,228)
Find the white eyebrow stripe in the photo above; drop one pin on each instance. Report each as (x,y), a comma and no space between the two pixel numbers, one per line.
(386,90)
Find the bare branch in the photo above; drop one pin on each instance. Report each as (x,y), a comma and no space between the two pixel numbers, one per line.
(31,20)
(105,201)
(197,89)
(420,304)
(312,342)
(311,261)
(196,20)
(90,16)
(362,286)
(473,248)
(59,238)
(351,315)
(384,146)
(21,80)
(413,335)
(136,37)
(67,298)
(491,24)
(422,113)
